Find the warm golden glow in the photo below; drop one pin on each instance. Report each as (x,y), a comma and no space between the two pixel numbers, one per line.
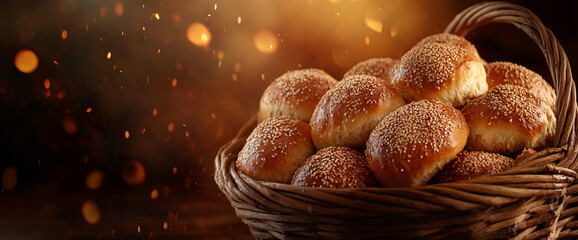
(47,83)
(155,112)
(171,127)
(198,34)
(174,82)
(165,225)
(118,9)
(108,55)
(157,16)
(266,41)
(373,23)
(366,40)
(126,134)
(26,61)
(133,173)
(90,212)
(239,20)
(88,109)
(94,180)
(64,34)
(9,178)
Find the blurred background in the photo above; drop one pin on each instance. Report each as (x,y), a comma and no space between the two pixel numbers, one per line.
(112,111)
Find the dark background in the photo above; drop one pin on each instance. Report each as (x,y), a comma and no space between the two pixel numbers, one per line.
(55,136)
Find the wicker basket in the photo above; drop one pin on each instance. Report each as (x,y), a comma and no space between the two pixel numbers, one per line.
(534,200)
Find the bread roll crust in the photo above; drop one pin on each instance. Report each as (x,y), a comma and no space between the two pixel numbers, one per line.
(376,67)
(275,149)
(335,167)
(347,113)
(499,73)
(414,142)
(439,71)
(295,93)
(470,164)
(451,39)
(507,119)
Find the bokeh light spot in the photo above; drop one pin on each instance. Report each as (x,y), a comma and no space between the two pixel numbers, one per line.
(64,34)
(133,173)
(266,41)
(118,9)
(198,34)
(90,212)
(9,178)
(26,61)
(155,194)
(94,180)
(69,125)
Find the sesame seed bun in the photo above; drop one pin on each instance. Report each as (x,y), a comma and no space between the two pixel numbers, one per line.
(335,167)
(376,67)
(414,142)
(451,39)
(439,71)
(499,73)
(275,149)
(347,113)
(470,164)
(507,119)
(294,93)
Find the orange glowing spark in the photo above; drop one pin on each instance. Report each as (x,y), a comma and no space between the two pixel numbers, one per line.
(262,76)
(159,51)
(144,28)
(55,62)
(155,194)
(133,173)
(157,16)
(138,229)
(118,9)
(393,30)
(155,112)
(89,109)
(174,82)
(26,61)
(373,24)
(174,170)
(126,134)
(198,34)
(171,127)
(165,225)
(213,116)
(108,55)
(239,20)
(94,180)
(9,178)
(69,125)
(90,212)
(64,34)
(61,94)
(47,83)
(103,11)
(266,42)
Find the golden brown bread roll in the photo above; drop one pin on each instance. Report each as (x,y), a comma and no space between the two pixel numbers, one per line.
(347,113)
(439,71)
(414,142)
(295,93)
(508,119)
(275,149)
(377,67)
(335,167)
(451,39)
(470,164)
(498,73)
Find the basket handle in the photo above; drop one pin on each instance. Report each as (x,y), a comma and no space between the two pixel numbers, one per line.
(501,12)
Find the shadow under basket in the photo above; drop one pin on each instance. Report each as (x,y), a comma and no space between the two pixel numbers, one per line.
(536,199)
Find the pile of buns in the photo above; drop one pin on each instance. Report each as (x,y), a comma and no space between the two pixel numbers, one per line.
(438,114)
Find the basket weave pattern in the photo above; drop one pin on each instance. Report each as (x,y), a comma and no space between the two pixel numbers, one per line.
(536,199)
